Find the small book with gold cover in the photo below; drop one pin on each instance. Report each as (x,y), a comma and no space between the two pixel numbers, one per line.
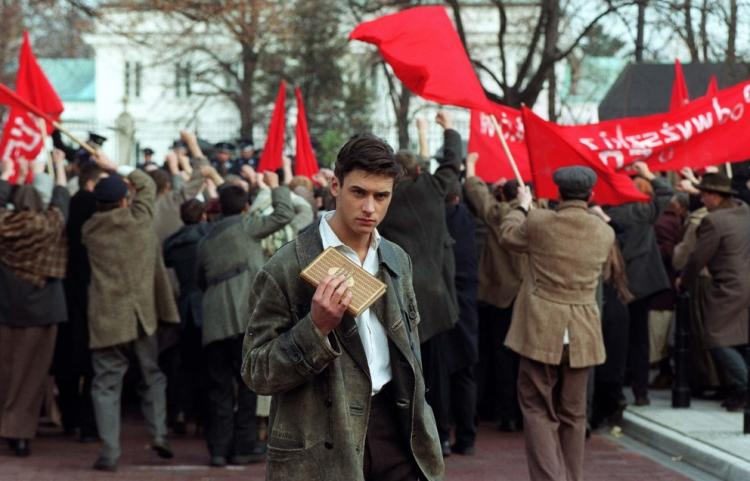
(366,288)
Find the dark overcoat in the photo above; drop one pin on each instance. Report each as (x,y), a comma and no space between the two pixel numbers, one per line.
(462,342)
(22,304)
(416,222)
(181,254)
(723,245)
(635,221)
(321,387)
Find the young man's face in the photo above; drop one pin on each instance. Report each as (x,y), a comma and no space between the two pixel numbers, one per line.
(362,199)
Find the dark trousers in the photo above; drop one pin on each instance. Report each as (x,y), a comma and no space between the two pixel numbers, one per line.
(387,453)
(638,347)
(497,372)
(731,359)
(74,399)
(437,381)
(191,375)
(463,405)
(230,431)
(553,401)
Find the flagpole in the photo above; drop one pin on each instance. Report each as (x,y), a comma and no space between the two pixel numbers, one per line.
(512,161)
(729,170)
(72,137)
(50,165)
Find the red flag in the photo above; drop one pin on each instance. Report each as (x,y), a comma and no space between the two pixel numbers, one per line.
(680,96)
(425,52)
(22,137)
(549,150)
(713,87)
(270,159)
(11,99)
(306,164)
(707,131)
(493,163)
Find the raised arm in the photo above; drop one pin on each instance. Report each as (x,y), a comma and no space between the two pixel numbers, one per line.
(447,174)
(283,210)
(513,229)
(145,195)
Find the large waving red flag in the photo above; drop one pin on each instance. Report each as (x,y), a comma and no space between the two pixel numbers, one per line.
(493,163)
(425,52)
(22,137)
(680,95)
(549,150)
(305,162)
(270,158)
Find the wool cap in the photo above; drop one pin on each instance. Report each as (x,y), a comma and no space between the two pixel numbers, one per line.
(110,189)
(576,181)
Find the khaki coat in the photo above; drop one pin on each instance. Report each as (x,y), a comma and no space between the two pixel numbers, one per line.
(129,288)
(567,249)
(723,246)
(500,269)
(321,387)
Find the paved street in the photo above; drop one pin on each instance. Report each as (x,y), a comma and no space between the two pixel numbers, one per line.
(500,457)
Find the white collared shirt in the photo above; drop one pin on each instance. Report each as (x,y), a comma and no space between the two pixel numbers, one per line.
(371,331)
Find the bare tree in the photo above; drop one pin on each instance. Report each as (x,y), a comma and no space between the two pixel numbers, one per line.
(640,31)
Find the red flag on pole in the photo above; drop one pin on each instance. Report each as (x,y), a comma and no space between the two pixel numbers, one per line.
(306,164)
(425,52)
(22,137)
(270,159)
(549,150)
(680,96)
(493,164)
(713,87)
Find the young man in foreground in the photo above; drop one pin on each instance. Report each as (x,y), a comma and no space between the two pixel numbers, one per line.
(348,393)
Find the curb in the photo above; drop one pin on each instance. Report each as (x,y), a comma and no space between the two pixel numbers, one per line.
(700,455)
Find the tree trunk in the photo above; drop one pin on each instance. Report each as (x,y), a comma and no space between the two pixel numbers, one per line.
(551,10)
(704,30)
(731,55)
(402,117)
(245,102)
(640,29)
(689,33)
(552,95)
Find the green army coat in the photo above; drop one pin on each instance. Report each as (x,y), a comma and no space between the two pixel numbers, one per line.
(321,391)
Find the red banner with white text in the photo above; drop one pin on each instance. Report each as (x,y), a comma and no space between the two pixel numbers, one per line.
(493,162)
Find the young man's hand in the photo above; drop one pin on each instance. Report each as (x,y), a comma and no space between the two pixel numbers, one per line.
(329,303)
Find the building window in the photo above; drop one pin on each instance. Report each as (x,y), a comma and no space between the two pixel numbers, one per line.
(182,79)
(133,77)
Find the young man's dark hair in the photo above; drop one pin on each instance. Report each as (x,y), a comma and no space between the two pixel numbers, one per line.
(161,179)
(368,153)
(232,199)
(89,172)
(192,211)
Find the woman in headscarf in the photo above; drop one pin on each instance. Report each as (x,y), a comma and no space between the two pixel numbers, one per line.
(33,255)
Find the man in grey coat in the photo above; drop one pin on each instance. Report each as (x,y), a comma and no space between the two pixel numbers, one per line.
(723,246)
(229,257)
(348,392)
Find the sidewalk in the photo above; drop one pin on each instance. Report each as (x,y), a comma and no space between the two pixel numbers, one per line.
(704,435)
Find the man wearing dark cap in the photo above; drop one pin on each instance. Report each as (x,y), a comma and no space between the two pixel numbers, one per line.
(127,272)
(556,326)
(247,155)
(723,246)
(222,160)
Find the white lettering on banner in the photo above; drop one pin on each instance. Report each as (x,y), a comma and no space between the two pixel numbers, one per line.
(620,149)
(24,139)
(513,130)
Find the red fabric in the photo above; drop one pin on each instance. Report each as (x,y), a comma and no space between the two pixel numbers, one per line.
(425,52)
(713,87)
(493,163)
(680,96)
(549,150)
(22,137)
(270,159)
(707,131)
(305,162)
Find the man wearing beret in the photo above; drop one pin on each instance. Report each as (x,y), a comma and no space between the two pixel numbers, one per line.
(723,246)
(556,326)
(127,273)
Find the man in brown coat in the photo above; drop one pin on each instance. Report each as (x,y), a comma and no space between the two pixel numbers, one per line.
(556,326)
(128,295)
(723,246)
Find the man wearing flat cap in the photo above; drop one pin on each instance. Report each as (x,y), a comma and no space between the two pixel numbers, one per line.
(556,327)
(723,246)
(126,300)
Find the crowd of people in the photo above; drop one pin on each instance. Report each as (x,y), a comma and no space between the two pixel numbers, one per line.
(533,315)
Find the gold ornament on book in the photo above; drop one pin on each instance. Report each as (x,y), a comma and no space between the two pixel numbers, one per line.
(366,288)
